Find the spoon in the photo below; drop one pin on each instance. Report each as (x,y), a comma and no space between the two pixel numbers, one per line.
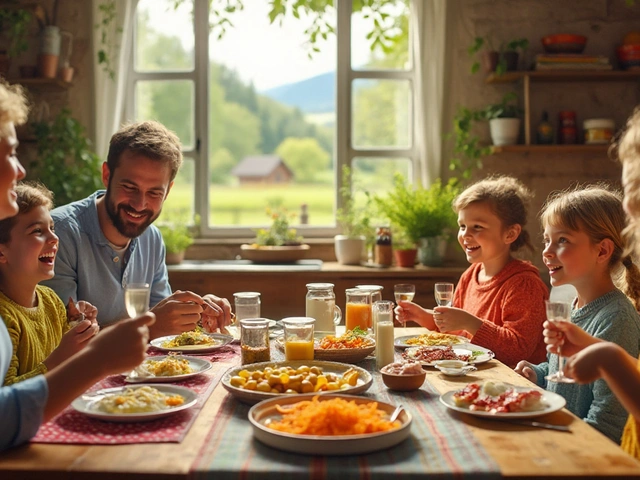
(396,413)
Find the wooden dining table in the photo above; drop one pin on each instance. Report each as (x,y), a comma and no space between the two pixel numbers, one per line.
(517,451)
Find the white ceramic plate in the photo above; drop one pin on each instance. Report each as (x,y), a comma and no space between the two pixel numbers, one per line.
(220,341)
(324,445)
(253,396)
(553,401)
(86,404)
(401,342)
(467,349)
(198,365)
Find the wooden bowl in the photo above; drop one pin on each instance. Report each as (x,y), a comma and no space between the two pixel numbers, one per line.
(564,43)
(403,383)
(264,254)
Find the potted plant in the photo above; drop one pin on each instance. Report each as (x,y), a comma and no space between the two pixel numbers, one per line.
(422,213)
(404,249)
(499,61)
(65,162)
(504,121)
(177,238)
(355,222)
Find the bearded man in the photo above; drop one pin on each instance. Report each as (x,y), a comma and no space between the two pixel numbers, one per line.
(107,240)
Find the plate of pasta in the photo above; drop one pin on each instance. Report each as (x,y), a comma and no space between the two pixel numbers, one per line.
(330,424)
(193,341)
(501,400)
(167,368)
(139,403)
(431,339)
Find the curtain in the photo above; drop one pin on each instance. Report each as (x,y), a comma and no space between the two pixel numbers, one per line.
(109,94)
(429,54)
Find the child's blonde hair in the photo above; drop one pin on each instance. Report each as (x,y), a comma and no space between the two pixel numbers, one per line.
(13,104)
(597,211)
(628,151)
(508,198)
(30,195)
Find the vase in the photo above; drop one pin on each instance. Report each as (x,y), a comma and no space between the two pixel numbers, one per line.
(431,251)
(349,251)
(405,258)
(174,258)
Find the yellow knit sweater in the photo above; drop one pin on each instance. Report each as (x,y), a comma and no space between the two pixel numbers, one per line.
(35,332)
(630,441)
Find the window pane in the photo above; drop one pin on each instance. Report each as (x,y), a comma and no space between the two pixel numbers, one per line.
(381,113)
(272,119)
(380,36)
(164,36)
(375,175)
(180,202)
(171,103)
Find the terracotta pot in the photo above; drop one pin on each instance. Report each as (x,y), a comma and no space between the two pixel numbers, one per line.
(174,258)
(489,61)
(48,65)
(405,258)
(66,74)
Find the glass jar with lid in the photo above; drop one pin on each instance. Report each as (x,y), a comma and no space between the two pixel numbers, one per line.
(254,340)
(321,305)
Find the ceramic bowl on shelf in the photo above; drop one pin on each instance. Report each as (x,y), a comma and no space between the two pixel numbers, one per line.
(629,55)
(564,43)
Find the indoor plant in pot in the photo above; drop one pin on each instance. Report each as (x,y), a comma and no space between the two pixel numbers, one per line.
(404,248)
(177,238)
(498,61)
(504,121)
(355,223)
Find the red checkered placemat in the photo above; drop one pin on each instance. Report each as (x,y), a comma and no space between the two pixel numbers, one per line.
(71,426)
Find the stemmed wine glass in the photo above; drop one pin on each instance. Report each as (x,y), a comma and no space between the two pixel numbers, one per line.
(443,292)
(559,312)
(404,292)
(136,298)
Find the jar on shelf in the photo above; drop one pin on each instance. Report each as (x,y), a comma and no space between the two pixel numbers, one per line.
(567,131)
(383,254)
(598,130)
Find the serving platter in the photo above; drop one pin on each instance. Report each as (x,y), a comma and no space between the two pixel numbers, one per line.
(324,445)
(198,365)
(401,342)
(553,402)
(86,404)
(268,254)
(477,353)
(220,341)
(253,396)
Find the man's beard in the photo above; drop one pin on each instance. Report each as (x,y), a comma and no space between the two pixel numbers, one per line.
(117,215)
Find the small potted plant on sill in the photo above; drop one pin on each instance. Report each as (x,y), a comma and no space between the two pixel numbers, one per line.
(499,61)
(355,222)
(504,121)
(404,249)
(177,238)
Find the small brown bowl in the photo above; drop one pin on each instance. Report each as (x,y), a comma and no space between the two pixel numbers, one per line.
(403,383)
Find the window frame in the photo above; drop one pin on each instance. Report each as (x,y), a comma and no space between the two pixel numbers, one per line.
(344,150)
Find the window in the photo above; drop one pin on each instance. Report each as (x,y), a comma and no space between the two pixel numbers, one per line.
(267,117)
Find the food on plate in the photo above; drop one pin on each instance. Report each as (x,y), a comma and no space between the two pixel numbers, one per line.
(336,416)
(435,338)
(403,368)
(138,400)
(496,397)
(170,366)
(193,337)
(303,379)
(356,338)
(433,354)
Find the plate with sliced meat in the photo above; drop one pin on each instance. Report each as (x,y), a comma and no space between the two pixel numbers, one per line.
(428,356)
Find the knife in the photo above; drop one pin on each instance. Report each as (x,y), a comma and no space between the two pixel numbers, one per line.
(533,423)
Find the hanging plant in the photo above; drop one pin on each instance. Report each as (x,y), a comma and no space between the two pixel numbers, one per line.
(109,34)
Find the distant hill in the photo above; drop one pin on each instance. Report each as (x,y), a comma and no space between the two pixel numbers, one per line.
(313,95)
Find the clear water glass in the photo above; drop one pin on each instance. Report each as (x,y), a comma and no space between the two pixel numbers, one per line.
(443,291)
(136,298)
(559,312)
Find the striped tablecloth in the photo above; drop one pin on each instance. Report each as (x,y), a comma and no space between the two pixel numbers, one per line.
(439,446)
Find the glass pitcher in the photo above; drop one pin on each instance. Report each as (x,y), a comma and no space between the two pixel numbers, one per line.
(321,305)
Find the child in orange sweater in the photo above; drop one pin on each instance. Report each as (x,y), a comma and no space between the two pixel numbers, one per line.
(593,358)
(499,301)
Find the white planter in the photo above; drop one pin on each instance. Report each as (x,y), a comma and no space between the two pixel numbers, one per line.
(349,251)
(504,131)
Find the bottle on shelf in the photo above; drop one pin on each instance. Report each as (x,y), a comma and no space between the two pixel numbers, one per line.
(567,131)
(544,132)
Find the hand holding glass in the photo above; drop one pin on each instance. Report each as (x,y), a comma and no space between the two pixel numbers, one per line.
(136,298)
(559,312)
(443,292)
(404,292)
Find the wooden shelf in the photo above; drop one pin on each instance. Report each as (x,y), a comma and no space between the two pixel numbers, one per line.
(42,83)
(566,76)
(578,148)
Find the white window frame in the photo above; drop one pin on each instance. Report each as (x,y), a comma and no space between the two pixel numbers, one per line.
(344,150)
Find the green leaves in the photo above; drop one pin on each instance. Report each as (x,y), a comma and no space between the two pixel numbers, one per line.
(279,233)
(176,236)
(14,23)
(353,218)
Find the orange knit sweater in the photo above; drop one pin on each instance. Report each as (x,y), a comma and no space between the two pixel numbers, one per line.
(511,305)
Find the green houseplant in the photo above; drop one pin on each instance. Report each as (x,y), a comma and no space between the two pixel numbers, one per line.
(177,238)
(504,121)
(498,61)
(65,162)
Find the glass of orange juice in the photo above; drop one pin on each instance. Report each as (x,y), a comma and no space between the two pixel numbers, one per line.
(358,309)
(298,338)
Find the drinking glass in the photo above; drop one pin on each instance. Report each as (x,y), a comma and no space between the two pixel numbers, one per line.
(298,338)
(443,292)
(136,298)
(559,312)
(404,292)
(357,309)
(247,305)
